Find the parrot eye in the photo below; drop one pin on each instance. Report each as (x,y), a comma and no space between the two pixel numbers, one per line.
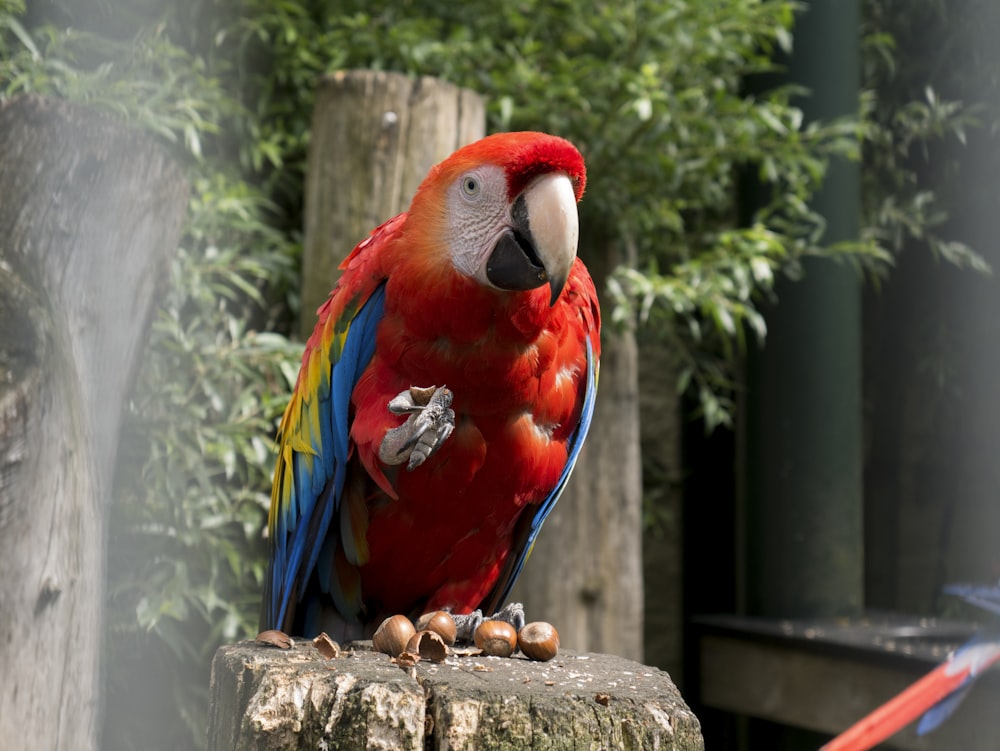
(470,186)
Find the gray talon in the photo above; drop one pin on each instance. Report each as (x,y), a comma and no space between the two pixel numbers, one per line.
(431,420)
(466,625)
(512,613)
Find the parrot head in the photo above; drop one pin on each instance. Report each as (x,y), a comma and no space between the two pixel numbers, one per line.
(504,210)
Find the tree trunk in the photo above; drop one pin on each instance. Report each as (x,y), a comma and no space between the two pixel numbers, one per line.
(375,135)
(585,571)
(90,215)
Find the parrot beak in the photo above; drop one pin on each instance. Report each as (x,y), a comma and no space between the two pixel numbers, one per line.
(541,245)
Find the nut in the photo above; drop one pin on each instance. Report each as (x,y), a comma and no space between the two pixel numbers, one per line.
(429,645)
(441,623)
(392,635)
(496,638)
(539,641)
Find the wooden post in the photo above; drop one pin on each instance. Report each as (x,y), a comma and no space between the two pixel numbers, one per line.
(374,137)
(90,214)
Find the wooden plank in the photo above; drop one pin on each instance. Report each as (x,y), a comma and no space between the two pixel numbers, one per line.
(826,690)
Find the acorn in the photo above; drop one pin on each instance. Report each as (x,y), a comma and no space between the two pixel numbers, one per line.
(496,638)
(428,644)
(538,640)
(392,635)
(441,623)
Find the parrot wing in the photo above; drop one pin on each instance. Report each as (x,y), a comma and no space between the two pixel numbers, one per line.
(311,488)
(945,708)
(937,694)
(975,656)
(531,524)
(982,596)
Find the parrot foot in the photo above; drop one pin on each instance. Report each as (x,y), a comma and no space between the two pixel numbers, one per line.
(466,625)
(429,424)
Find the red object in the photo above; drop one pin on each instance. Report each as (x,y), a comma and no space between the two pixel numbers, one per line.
(935,687)
(439,296)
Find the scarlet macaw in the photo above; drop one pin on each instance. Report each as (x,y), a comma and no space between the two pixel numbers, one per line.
(443,398)
(937,694)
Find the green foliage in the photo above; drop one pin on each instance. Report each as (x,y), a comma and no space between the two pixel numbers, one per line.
(146,80)
(651,91)
(208,397)
(910,126)
(186,556)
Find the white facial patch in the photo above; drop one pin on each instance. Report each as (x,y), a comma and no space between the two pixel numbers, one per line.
(478,214)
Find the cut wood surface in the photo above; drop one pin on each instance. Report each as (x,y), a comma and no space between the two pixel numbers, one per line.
(269,699)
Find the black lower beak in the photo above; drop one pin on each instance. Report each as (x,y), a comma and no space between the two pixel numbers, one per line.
(514,265)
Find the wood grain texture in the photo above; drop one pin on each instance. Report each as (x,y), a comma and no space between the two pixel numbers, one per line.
(90,215)
(374,137)
(268,699)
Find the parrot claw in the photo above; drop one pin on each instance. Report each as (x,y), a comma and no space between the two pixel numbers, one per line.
(431,420)
(512,613)
(466,625)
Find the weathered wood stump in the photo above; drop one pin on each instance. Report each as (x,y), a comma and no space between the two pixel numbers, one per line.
(90,216)
(267,699)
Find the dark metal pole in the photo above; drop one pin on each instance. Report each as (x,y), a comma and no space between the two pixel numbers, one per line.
(802,448)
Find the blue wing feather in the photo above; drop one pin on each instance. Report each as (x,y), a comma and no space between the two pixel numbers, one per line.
(319,475)
(987,598)
(982,596)
(941,711)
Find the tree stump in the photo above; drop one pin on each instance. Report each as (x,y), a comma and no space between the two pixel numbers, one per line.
(374,137)
(268,699)
(90,215)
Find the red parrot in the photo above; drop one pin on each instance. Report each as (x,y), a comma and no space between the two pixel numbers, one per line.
(937,694)
(442,401)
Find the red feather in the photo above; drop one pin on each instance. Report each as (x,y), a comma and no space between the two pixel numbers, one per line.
(518,385)
(440,536)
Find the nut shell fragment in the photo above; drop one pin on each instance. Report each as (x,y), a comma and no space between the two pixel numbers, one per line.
(275,638)
(441,623)
(327,646)
(407,660)
(429,645)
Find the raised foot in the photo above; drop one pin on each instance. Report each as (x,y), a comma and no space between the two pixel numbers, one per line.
(429,424)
